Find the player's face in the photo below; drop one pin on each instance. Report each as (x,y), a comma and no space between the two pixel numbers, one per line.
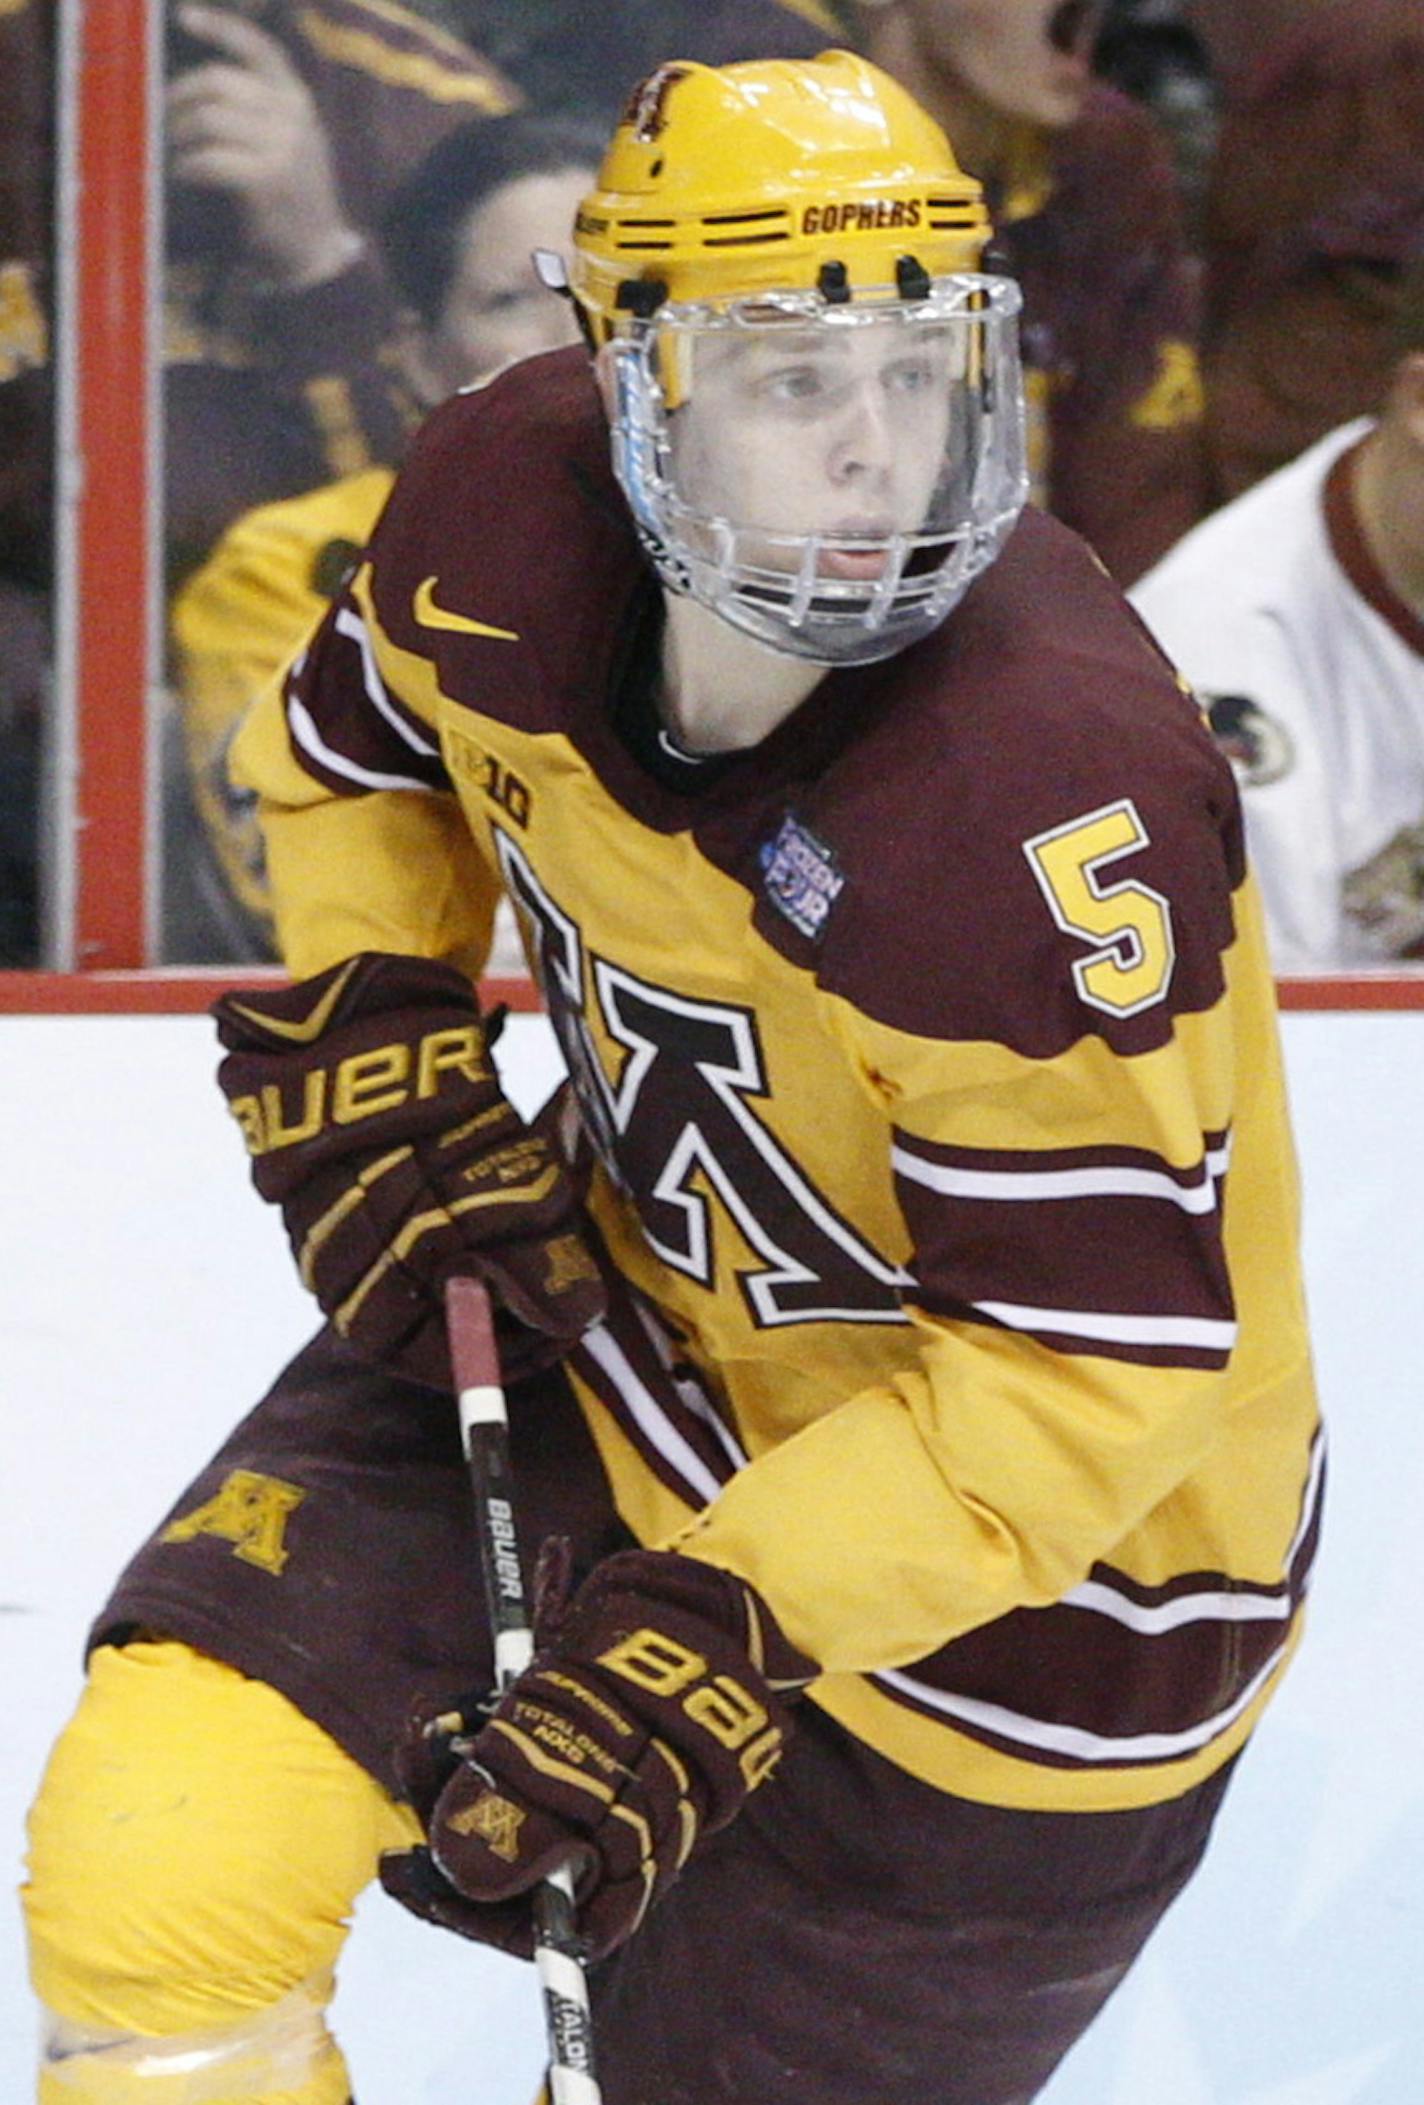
(802,429)
(1026,59)
(496,309)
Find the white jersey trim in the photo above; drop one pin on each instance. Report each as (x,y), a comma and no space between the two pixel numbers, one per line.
(307,736)
(1197,1333)
(349,623)
(1166,1616)
(1073,1742)
(648,1414)
(1098,1182)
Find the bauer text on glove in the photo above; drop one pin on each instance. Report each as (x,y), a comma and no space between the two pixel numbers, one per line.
(375,1120)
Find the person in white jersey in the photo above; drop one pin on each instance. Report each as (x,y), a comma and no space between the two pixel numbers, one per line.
(1297,612)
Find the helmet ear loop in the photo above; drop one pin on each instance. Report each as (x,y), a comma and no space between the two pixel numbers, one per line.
(586,328)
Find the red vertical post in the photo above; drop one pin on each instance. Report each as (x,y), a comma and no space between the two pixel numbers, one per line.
(113,542)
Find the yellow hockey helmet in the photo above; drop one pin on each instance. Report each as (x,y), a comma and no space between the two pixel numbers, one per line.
(822,174)
(815,401)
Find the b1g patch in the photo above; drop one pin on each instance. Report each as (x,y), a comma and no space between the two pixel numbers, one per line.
(801,878)
(1259,748)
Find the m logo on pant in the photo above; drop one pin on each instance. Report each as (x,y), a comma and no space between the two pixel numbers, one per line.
(249,1511)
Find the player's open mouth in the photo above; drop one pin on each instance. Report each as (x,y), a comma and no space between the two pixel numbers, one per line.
(852,562)
(845,559)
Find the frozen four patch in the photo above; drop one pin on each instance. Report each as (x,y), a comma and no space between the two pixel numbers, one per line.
(801,879)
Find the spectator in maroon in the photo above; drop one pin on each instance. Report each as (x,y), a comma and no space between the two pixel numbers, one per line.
(1314,216)
(288,131)
(1082,191)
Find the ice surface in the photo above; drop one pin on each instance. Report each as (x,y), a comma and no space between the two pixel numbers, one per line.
(146,1298)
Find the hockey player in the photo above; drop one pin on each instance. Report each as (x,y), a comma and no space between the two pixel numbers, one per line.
(1298,612)
(935,1452)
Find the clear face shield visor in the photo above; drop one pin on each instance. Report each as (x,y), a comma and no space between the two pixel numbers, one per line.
(828,477)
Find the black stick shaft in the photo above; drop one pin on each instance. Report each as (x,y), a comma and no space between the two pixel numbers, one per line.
(484,1429)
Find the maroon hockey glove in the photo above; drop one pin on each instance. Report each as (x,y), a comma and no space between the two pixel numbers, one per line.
(376,1122)
(653,1707)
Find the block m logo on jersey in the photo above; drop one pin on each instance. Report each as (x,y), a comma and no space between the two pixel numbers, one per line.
(679,1131)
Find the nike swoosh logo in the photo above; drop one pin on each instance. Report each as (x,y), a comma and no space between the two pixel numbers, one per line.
(432,617)
(313,1025)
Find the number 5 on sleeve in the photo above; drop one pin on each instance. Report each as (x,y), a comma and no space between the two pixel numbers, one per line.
(1128,924)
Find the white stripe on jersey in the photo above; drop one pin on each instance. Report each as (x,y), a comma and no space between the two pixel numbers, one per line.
(307,736)
(1195,1333)
(648,1414)
(1099,1181)
(349,623)
(1165,1616)
(1072,1741)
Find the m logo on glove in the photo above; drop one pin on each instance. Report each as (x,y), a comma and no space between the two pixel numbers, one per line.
(495,1821)
(654,1705)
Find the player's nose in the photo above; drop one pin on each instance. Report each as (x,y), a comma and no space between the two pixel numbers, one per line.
(863,443)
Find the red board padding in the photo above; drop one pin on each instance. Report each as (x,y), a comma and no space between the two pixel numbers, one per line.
(188,991)
(1353,990)
(115,547)
(176,993)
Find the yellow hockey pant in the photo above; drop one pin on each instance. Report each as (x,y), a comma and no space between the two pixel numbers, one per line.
(196,1848)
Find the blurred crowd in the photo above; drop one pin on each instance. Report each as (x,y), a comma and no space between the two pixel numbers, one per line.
(1216,214)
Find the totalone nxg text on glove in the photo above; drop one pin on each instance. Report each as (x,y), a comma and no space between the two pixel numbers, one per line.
(375,1120)
(654,1705)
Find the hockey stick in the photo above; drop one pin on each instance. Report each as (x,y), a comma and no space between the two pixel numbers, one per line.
(484,1428)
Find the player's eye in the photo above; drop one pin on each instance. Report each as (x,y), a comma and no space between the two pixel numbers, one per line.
(793,383)
(910,376)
